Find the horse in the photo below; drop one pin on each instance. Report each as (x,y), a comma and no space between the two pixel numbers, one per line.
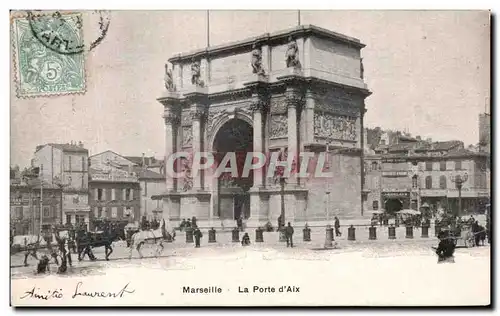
(150,236)
(87,240)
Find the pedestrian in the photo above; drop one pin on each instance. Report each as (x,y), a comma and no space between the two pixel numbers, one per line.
(280,222)
(188,223)
(337,227)
(239,223)
(245,241)
(182,225)
(64,265)
(289,235)
(197,237)
(43,265)
(446,247)
(193,222)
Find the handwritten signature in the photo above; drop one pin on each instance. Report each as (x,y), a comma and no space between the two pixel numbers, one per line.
(79,291)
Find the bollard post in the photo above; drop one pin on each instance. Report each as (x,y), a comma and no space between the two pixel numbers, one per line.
(425,230)
(236,234)
(211,235)
(351,233)
(306,233)
(372,233)
(259,235)
(189,235)
(392,232)
(329,236)
(409,232)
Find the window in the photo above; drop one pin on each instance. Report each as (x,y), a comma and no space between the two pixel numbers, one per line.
(458,165)
(113,194)
(128,195)
(19,212)
(414,182)
(46,211)
(442,166)
(114,212)
(99,195)
(374,165)
(428,182)
(428,165)
(68,219)
(99,212)
(442,182)
(375,205)
(79,219)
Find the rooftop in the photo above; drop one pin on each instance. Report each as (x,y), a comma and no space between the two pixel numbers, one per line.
(65,147)
(147,174)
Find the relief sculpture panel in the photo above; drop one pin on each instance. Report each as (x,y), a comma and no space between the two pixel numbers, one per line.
(187,136)
(278,105)
(335,126)
(278,126)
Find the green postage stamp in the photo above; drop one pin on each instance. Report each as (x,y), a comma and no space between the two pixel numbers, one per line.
(48,54)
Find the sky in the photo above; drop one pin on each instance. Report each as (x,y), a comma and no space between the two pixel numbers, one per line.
(429,72)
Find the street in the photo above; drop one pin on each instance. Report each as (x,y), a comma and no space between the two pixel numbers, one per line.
(349,275)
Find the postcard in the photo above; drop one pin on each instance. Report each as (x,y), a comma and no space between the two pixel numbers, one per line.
(250,158)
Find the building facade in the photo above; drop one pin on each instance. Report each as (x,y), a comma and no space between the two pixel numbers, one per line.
(115,192)
(66,166)
(25,204)
(152,185)
(416,174)
(298,90)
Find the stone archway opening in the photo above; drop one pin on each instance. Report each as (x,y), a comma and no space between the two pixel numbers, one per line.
(236,135)
(392,206)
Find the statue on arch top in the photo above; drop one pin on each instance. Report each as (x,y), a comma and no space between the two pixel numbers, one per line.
(169,80)
(292,54)
(196,73)
(257,60)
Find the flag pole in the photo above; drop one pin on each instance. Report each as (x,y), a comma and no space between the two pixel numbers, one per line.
(208,28)
(298,17)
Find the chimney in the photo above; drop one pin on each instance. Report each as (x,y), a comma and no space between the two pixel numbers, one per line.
(143,160)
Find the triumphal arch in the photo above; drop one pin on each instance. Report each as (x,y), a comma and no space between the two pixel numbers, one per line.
(293,91)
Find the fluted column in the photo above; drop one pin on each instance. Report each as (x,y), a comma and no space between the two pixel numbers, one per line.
(293,99)
(171,121)
(258,107)
(197,115)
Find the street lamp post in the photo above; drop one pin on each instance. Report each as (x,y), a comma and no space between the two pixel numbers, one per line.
(328,184)
(282,214)
(61,186)
(459,180)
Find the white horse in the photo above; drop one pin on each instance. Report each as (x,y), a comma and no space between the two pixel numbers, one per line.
(155,237)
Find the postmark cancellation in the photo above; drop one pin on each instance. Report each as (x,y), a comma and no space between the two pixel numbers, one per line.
(48,54)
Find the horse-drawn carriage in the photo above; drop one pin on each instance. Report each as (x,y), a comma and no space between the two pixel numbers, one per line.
(465,234)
